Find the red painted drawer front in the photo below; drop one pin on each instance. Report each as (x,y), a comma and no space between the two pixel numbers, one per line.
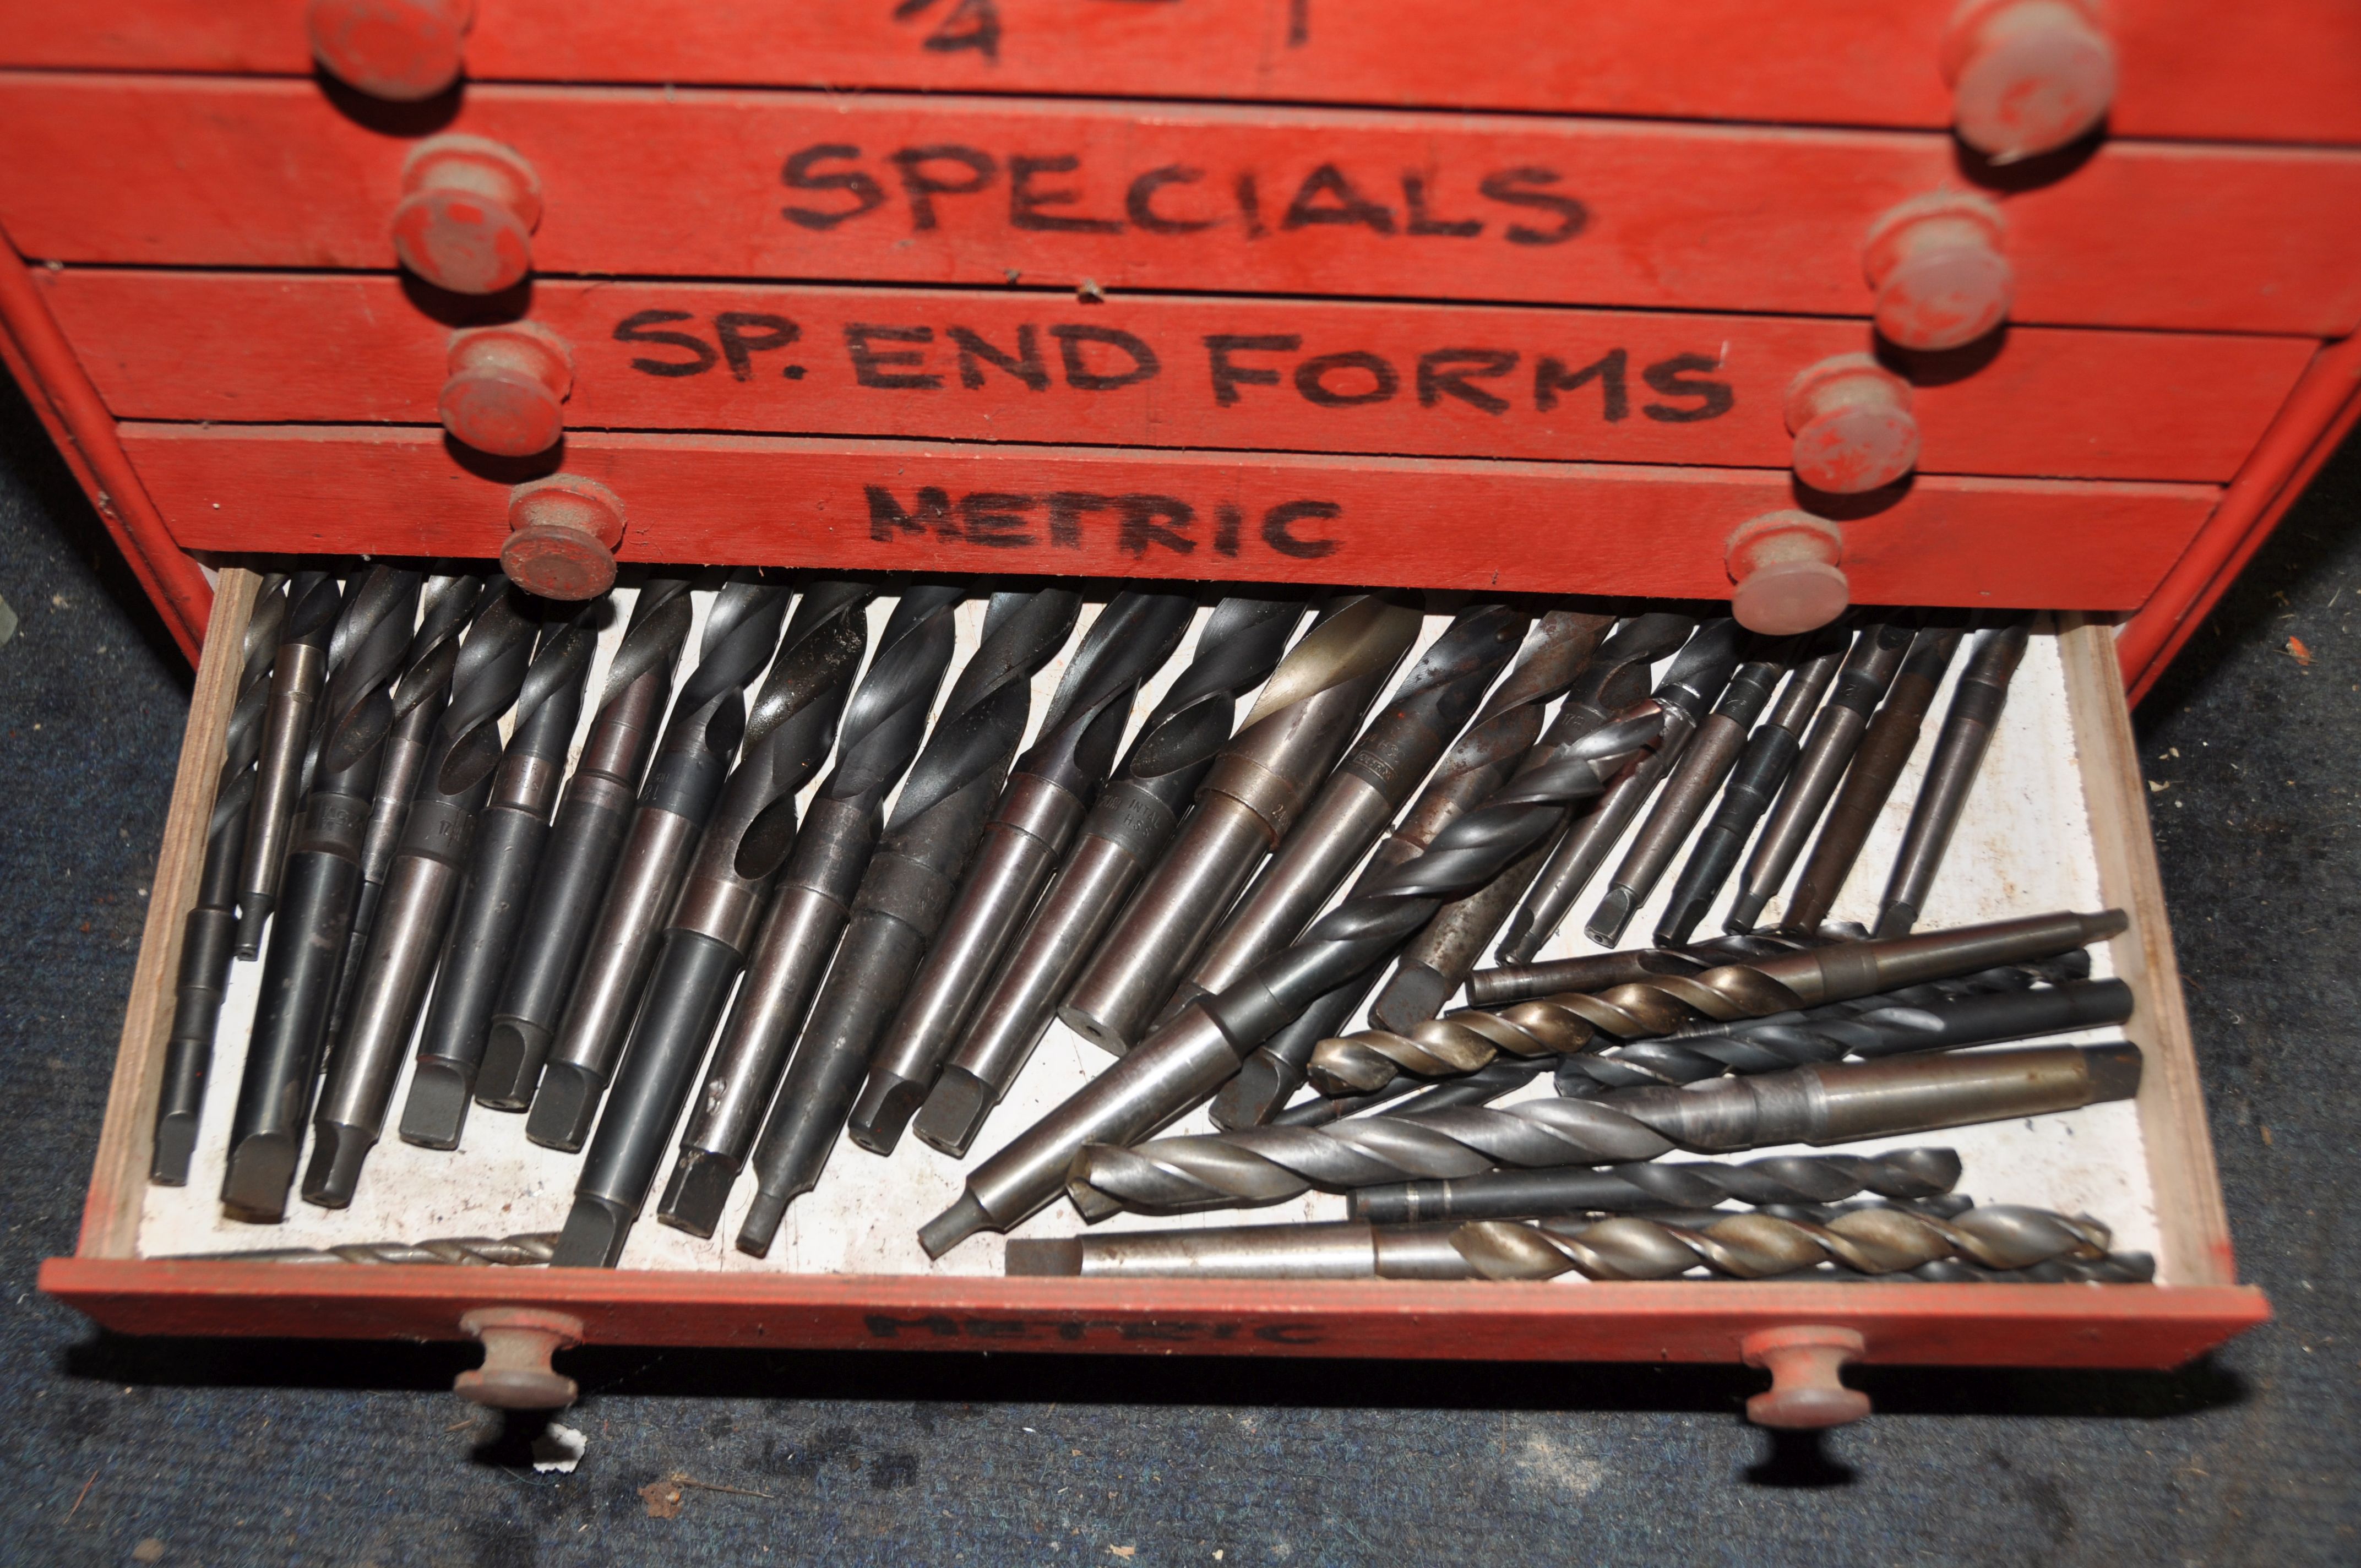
(1295,375)
(1079,511)
(266,173)
(2267,70)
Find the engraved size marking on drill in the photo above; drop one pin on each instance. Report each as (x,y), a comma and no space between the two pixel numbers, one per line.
(1071,1331)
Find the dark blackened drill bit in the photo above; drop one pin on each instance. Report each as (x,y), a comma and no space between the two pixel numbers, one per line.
(298,672)
(1655,1184)
(453,787)
(1596,972)
(1052,786)
(1885,752)
(1835,1103)
(741,632)
(509,838)
(209,933)
(1251,801)
(583,844)
(1134,820)
(788,735)
(883,727)
(937,819)
(1771,754)
(1828,746)
(1993,659)
(322,888)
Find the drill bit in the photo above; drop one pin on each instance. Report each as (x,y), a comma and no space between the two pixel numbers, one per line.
(1250,801)
(455,781)
(741,632)
(1652,1184)
(1825,1103)
(1566,1024)
(1407,1096)
(788,735)
(1053,783)
(583,844)
(322,885)
(524,1251)
(883,726)
(508,837)
(298,671)
(1697,676)
(1128,828)
(1885,752)
(1596,972)
(1827,747)
(1770,755)
(1967,730)
(209,932)
(2115,1268)
(937,819)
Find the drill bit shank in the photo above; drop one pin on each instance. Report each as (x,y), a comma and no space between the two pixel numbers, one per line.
(296,675)
(1976,704)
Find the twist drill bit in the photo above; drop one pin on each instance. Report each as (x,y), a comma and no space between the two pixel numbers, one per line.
(509,838)
(1439,959)
(298,671)
(741,632)
(1885,752)
(1566,1024)
(883,726)
(2115,1268)
(322,885)
(1826,1103)
(1976,704)
(1770,755)
(1827,747)
(1596,972)
(1250,801)
(209,932)
(1697,676)
(936,822)
(1053,785)
(1650,1184)
(1408,1096)
(1134,820)
(788,735)
(453,784)
(583,846)
(524,1251)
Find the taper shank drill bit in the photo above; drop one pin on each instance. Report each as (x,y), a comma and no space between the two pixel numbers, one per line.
(1655,1184)
(1407,1096)
(937,819)
(1976,702)
(1596,972)
(298,672)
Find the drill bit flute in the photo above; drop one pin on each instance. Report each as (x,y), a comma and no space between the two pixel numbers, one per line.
(1993,659)
(1644,1185)
(297,673)
(1596,972)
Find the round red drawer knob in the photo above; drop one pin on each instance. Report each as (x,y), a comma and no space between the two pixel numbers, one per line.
(508,389)
(1850,418)
(1937,265)
(516,1373)
(1784,566)
(2028,76)
(563,531)
(468,209)
(1806,1393)
(400,50)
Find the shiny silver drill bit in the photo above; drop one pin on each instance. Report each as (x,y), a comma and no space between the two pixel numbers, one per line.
(1976,704)
(1596,972)
(1407,1096)
(526,1251)
(1654,1184)
(298,672)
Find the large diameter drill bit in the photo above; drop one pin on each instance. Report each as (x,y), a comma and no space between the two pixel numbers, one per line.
(1134,818)
(1877,766)
(420,891)
(1596,972)
(883,727)
(1406,1096)
(209,932)
(1822,1104)
(1976,704)
(1827,749)
(584,843)
(1563,1024)
(1251,801)
(741,632)
(321,887)
(1771,754)
(509,838)
(937,819)
(1653,1184)
(788,735)
(1053,785)
(298,672)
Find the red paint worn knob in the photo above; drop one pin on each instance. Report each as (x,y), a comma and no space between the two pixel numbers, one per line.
(563,531)
(516,1373)
(2026,76)
(1850,418)
(508,389)
(400,50)
(467,213)
(1937,265)
(1784,566)
(1805,1392)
